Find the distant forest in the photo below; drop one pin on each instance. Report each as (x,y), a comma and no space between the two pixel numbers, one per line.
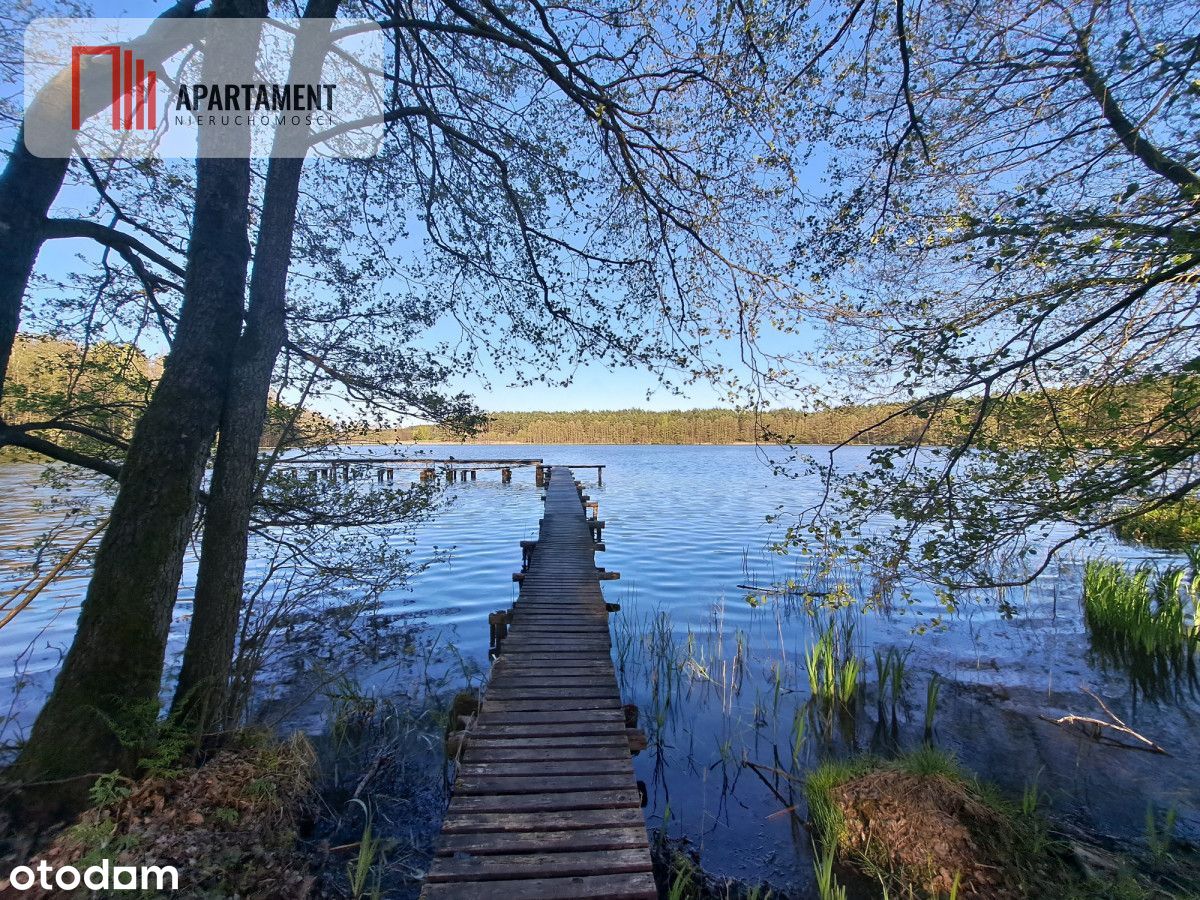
(689,426)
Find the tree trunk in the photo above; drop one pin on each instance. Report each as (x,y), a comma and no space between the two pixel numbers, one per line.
(30,183)
(202,694)
(203,681)
(113,672)
(27,188)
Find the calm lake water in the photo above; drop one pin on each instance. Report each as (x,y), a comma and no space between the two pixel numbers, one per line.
(719,675)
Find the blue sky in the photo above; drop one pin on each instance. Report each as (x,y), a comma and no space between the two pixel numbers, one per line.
(592,386)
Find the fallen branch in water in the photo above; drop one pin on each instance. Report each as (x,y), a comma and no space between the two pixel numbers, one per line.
(761,589)
(1096,727)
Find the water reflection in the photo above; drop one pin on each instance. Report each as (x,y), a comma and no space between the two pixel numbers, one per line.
(719,669)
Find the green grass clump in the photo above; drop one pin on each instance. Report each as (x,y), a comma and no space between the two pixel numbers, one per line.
(1139,612)
(834,671)
(1169,527)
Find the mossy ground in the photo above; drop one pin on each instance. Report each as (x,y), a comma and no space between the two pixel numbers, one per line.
(920,827)
(1170,527)
(231,825)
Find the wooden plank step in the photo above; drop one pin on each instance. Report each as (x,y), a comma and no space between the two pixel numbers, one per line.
(609,736)
(547,784)
(583,766)
(549,802)
(461,822)
(542,841)
(639,886)
(524,691)
(536,756)
(568,718)
(527,865)
(534,704)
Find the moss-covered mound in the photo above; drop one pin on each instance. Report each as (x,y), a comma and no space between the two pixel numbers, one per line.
(919,825)
(229,826)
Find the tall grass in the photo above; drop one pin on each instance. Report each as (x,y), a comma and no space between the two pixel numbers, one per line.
(1139,611)
(1146,623)
(834,671)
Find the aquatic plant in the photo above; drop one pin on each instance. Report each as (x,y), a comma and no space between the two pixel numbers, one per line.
(359,872)
(890,673)
(1132,611)
(1160,838)
(827,884)
(932,692)
(1145,622)
(833,668)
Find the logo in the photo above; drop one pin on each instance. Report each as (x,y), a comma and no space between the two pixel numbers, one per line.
(133,95)
(184,88)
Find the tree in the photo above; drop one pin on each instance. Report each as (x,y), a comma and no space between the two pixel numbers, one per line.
(29,185)
(559,192)
(114,668)
(1012,253)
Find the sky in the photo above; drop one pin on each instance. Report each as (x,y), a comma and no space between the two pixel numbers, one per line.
(592,386)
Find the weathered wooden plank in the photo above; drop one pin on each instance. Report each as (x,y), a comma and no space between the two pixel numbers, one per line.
(549,729)
(629,838)
(550,802)
(534,865)
(638,886)
(534,756)
(466,785)
(609,718)
(610,737)
(585,766)
(463,822)
(538,703)
(519,691)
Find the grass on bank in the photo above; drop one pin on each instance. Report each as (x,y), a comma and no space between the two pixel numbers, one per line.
(1170,527)
(232,825)
(921,827)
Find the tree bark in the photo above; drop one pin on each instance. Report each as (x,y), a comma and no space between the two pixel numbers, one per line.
(113,671)
(202,694)
(30,183)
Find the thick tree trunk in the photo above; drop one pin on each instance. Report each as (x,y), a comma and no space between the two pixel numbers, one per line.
(203,681)
(202,694)
(113,671)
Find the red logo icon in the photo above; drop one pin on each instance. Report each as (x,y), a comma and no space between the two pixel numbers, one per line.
(133,103)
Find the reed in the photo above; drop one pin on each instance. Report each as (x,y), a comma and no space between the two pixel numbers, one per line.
(1139,611)
(932,692)
(827,883)
(834,670)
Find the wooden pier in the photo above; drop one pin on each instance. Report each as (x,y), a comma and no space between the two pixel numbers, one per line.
(545,804)
(353,467)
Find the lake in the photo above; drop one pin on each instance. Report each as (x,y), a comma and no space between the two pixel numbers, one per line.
(718,670)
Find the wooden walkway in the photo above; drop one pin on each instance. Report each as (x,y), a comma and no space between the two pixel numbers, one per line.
(545,803)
